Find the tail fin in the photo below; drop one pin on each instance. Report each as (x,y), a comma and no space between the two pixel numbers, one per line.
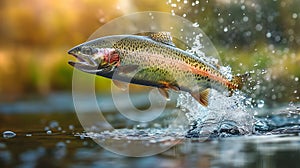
(239,80)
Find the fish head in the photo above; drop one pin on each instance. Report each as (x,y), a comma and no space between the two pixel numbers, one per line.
(94,59)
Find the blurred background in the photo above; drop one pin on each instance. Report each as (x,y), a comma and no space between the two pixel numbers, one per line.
(262,37)
(38,123)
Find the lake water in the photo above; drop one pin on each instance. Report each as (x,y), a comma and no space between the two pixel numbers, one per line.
(49,134)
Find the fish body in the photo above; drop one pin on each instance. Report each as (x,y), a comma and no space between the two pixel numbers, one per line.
(152,60)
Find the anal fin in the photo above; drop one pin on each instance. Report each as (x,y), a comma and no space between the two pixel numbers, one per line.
(202,97)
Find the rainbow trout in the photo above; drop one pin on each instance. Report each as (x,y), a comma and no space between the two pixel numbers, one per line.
(152,60)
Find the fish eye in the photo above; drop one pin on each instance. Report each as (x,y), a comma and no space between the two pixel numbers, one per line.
(88,50)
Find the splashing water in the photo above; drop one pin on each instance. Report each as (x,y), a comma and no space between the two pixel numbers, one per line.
(222,112)
(227,114)
(197,50)
(153,135)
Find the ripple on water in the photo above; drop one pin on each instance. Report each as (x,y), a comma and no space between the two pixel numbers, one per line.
(283,122)
(151,135)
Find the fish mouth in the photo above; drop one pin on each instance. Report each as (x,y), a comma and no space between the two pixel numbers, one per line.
(84,62)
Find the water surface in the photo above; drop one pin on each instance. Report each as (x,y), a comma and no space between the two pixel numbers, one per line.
(56,139)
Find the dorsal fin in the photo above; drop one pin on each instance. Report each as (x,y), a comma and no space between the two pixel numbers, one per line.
(163,37)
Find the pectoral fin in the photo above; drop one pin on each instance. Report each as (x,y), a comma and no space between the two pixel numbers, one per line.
(164,93)
(202,98)
(176,88)
(121,85)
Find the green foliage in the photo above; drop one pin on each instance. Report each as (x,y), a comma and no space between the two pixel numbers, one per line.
(61,77)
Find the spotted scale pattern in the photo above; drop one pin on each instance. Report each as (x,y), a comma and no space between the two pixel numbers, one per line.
(163,65)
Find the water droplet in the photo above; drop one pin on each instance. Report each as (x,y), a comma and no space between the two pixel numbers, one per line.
(248,101)
(195,24)
(296,79)
(71,127)
(173,12)
(49,132)
(221,20)
(152,141)
(174,5)
(294,15)
(245,18)
(248,33)
(243,7)
(225,29)
(268,35)
(260,104)
(8,134)
(258,27)
(277,38)
(53,124)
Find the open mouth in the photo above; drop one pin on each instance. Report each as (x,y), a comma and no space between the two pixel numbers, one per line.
(71,52)
(85,62)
